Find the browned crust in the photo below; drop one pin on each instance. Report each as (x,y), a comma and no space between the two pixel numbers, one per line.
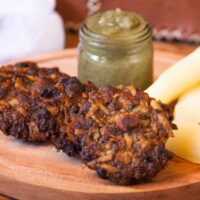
(118,131)
(121,133)
(37,103)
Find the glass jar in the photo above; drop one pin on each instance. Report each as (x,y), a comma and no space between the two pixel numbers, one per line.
(116,59)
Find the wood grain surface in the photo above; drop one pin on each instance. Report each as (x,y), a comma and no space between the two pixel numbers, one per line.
(40,172)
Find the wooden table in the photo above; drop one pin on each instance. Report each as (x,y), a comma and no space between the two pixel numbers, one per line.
(172,52)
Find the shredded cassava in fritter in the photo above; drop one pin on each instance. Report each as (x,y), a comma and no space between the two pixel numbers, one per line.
(118,131)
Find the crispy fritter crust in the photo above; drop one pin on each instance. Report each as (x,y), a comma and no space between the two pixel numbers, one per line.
(22,114)
(37,103)
(118,131)
(121,133)
(74,96)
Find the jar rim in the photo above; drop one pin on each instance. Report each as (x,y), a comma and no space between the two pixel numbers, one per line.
(92,38)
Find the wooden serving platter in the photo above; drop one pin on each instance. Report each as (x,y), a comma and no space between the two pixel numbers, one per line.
(40,172)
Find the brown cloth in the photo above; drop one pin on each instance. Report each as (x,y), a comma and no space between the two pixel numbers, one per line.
(170,19)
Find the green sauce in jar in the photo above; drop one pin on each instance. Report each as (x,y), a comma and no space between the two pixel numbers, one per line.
(116,48)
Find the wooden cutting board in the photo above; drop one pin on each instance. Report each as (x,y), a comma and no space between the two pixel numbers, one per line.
(40,172)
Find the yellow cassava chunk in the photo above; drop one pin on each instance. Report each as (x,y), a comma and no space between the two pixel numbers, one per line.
(186,143)
(188,106)
(177,79)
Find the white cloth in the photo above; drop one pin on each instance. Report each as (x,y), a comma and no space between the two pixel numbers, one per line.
(29,27)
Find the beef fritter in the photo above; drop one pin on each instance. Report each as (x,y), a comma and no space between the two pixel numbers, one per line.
(36,103)
(121,133)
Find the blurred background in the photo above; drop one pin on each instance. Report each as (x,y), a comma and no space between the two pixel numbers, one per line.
(172,21)
(32,27)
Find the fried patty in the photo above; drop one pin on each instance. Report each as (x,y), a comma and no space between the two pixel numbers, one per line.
(118,131)
(37,103)
(121,133)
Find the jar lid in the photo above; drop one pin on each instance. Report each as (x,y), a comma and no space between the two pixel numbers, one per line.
(115,26)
